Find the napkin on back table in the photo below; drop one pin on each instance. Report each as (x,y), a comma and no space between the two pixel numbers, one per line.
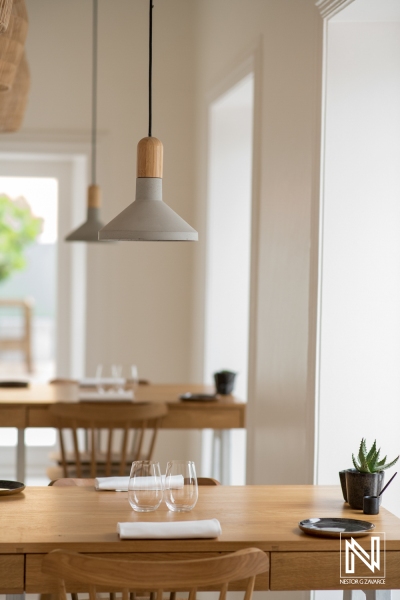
(93,381)
(125,396)
(120,484)
(207,528)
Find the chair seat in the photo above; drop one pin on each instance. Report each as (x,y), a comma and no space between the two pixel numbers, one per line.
(85,458)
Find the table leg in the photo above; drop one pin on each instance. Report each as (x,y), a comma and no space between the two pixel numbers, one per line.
(378,594)
(225,457)
(21,455)
(369,594)
(221,456)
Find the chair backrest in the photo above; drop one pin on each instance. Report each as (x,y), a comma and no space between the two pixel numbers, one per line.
(113,436)
(177,575)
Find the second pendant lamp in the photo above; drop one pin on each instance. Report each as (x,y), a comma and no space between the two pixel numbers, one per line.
(148,218)
(89,231)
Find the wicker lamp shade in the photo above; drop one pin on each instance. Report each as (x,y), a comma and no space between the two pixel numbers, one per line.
(5,13)
(13,102)
(12,43)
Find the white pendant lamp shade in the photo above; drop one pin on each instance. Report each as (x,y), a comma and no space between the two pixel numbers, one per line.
(89,231)
(148,218)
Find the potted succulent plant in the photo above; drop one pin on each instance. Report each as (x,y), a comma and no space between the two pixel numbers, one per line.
(366,479)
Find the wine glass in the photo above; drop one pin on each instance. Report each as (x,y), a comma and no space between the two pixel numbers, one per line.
(145,488)
(181,498)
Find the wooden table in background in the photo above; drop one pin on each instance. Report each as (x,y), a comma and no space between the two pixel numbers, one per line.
(28,407)
(266,517)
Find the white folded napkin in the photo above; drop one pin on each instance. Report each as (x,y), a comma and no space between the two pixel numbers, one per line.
(93,381)
(207,528)
(120,484)
(126,396)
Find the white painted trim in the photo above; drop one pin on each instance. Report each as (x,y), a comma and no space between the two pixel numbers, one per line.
(250,61)
(320,254)
(329,8)
(257,58)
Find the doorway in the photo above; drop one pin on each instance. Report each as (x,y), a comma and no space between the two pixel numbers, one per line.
(54,187)
(228,264)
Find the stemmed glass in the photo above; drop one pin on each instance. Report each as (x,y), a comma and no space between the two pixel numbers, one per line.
(145,488)
(183,498)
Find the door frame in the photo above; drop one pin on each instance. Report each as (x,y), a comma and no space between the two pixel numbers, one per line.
(66,157)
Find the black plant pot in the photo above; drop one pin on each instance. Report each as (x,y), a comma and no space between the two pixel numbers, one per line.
(342,476)
(224,382)
(359,485)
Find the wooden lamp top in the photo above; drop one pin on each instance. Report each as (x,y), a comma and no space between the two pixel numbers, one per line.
(94,196)
(150,158)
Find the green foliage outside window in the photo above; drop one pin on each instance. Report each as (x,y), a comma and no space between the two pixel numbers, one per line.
(18,228)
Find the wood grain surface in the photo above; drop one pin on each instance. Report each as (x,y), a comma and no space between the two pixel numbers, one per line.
(28,407)
(266,517)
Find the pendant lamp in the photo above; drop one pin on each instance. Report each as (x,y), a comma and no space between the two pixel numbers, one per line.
(148,218)
(89,231)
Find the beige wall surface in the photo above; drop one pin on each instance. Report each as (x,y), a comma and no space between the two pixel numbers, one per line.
(146,301)
(139,295)
(286,37)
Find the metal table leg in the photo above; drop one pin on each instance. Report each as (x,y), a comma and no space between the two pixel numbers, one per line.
(21,455)
(221,455)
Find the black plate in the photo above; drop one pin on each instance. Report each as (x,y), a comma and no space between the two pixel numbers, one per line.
(14,384)
(198,397)
(332,527)
(10,487)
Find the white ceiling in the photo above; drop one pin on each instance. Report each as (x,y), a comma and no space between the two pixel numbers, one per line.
(370,11)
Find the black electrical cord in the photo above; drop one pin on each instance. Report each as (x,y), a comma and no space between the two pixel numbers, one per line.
(94,91)
(150,62)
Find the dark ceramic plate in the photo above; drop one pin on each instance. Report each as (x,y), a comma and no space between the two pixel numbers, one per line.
(10,487)
(14,384)
(198,397)
(334,527)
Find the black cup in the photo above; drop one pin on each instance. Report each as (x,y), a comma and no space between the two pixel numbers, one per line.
(224,382)
(371,505)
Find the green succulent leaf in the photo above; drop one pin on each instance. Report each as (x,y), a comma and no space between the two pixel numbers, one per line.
(389,464)
(372,452)
(368,461)
(373,462)
(362,453)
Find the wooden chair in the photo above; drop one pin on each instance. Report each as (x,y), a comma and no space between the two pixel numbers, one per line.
(23,343)
(79,572)
(207,481)
(129,382)
(105,439)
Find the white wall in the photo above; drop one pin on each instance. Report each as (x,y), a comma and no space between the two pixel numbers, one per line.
(287,38)
(360,319)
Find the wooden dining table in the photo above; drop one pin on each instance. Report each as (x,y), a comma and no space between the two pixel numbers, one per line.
(84,520)
(29,407)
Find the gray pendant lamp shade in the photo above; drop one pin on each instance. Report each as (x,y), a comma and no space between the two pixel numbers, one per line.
(89,230)
(148,218)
